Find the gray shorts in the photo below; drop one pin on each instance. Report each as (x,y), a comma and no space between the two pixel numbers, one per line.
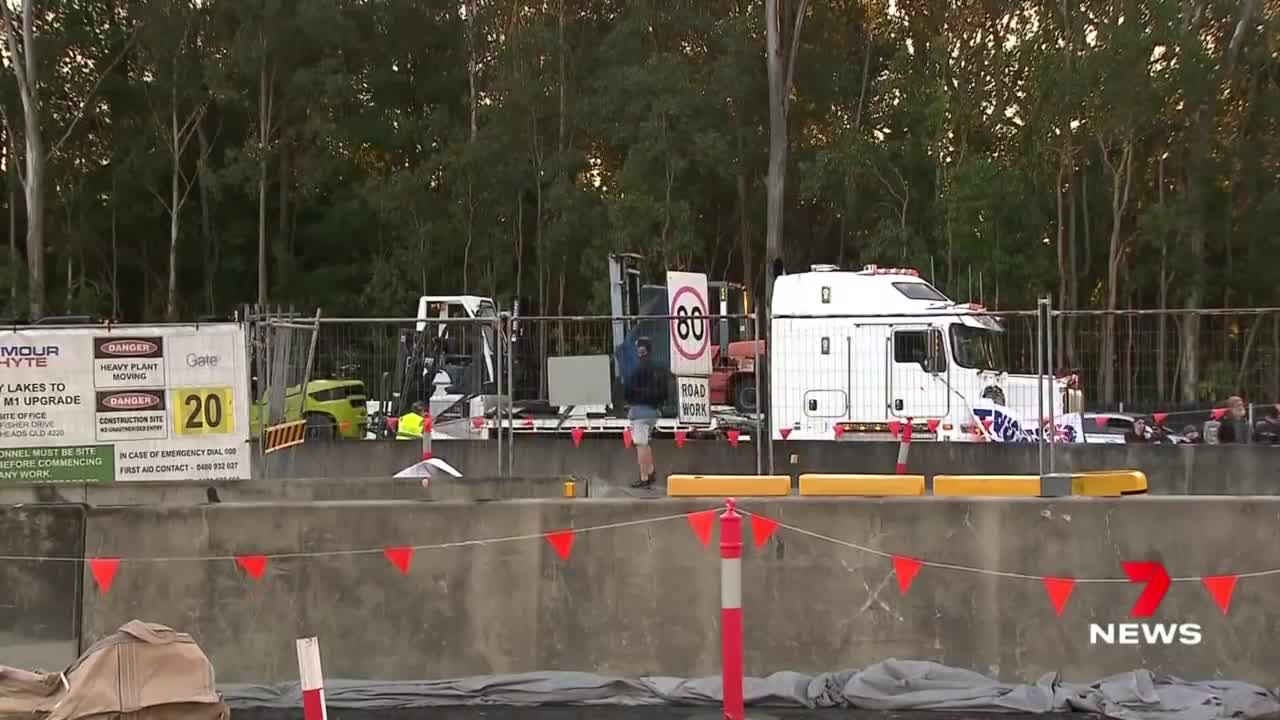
(641,429)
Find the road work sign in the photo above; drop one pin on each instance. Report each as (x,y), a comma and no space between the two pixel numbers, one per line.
(98,405)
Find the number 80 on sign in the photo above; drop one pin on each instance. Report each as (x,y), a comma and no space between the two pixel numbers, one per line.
(203,411)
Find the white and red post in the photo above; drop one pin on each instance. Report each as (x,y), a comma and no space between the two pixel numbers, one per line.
(312,679)
(904,446)
(731,611)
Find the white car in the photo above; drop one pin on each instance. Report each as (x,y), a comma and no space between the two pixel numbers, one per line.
(1113,429)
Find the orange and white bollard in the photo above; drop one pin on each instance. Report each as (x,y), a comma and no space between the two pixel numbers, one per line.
(904,447)
(731,640)
(312,679)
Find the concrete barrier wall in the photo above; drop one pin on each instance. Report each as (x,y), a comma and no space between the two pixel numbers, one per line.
(290,490)
(1188,470)
(40,601)
(644,599)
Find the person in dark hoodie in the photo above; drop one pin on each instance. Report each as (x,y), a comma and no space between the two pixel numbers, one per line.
(1235,424)
(646,392)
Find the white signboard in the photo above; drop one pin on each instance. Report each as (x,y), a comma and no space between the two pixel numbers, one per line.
(99,405)
(690,324)
(694,395)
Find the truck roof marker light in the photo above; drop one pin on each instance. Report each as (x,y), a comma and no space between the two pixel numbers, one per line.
(877,270)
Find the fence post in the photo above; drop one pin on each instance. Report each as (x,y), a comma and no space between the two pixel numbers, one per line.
(498,373)
(763,426)
(731,611)
(1041,330)
(767,397)
(511,390)
(1048,354)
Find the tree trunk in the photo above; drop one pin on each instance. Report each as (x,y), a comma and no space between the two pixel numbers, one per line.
(783,41)
(1121,173)
(206,219)
(14,275)
(265,120)
(283,240)
(472,65)
(115,257)
(775,184)
(176,196)
(23,62)
(175,214)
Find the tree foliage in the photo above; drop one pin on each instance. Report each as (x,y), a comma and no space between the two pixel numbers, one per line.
(350,155)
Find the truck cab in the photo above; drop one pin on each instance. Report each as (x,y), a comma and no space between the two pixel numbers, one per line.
(863,349)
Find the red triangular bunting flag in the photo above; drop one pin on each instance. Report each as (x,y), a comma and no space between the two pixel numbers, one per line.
(839,431)
(703,523)
(104,571)
(907,569)
(762,528)
(1059,590)
(627,439)
(427,424)
(785,432)
(1219,413)
(477,423)
(562,541)
(895,427)
(528,422)
(733,437)
(681,437)
(255,566)
(578,433)
(1222,587)
(1160,418)
(401,557)
(933,425)
(1102,420)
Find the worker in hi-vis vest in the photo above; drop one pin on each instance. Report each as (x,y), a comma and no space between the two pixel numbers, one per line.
(412,422)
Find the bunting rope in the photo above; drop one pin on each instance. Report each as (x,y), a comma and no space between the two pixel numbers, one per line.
(702,522)
(976,570)
(363,551)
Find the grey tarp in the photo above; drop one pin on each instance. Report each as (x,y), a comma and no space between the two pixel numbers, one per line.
(891,685)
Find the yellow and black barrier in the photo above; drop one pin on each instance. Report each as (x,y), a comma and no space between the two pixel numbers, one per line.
(817,485)
(1107,483)
(279,437)
(728,485)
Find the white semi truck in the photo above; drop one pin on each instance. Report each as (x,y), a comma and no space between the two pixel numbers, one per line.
(852,352)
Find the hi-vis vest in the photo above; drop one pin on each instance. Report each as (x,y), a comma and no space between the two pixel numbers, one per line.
(410,426)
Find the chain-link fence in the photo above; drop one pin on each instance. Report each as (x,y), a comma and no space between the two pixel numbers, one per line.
(483,375)
(1147,361)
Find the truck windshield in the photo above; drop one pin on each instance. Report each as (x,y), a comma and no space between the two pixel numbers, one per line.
(977,348)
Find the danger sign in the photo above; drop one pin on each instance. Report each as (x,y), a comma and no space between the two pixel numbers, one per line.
(690,324)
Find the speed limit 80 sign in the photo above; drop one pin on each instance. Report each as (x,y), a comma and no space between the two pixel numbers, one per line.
(690,324)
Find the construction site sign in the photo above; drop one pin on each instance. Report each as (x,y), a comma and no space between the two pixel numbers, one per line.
(125,403)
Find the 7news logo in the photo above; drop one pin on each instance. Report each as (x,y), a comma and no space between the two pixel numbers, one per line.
(1157,582)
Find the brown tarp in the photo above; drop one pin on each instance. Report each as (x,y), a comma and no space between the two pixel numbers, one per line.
(147,670)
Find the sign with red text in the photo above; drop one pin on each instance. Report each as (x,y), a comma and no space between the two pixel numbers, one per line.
(95,404)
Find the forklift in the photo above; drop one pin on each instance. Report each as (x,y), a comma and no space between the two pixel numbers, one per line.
(447,359)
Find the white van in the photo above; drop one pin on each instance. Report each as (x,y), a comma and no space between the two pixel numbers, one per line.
(862,349)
